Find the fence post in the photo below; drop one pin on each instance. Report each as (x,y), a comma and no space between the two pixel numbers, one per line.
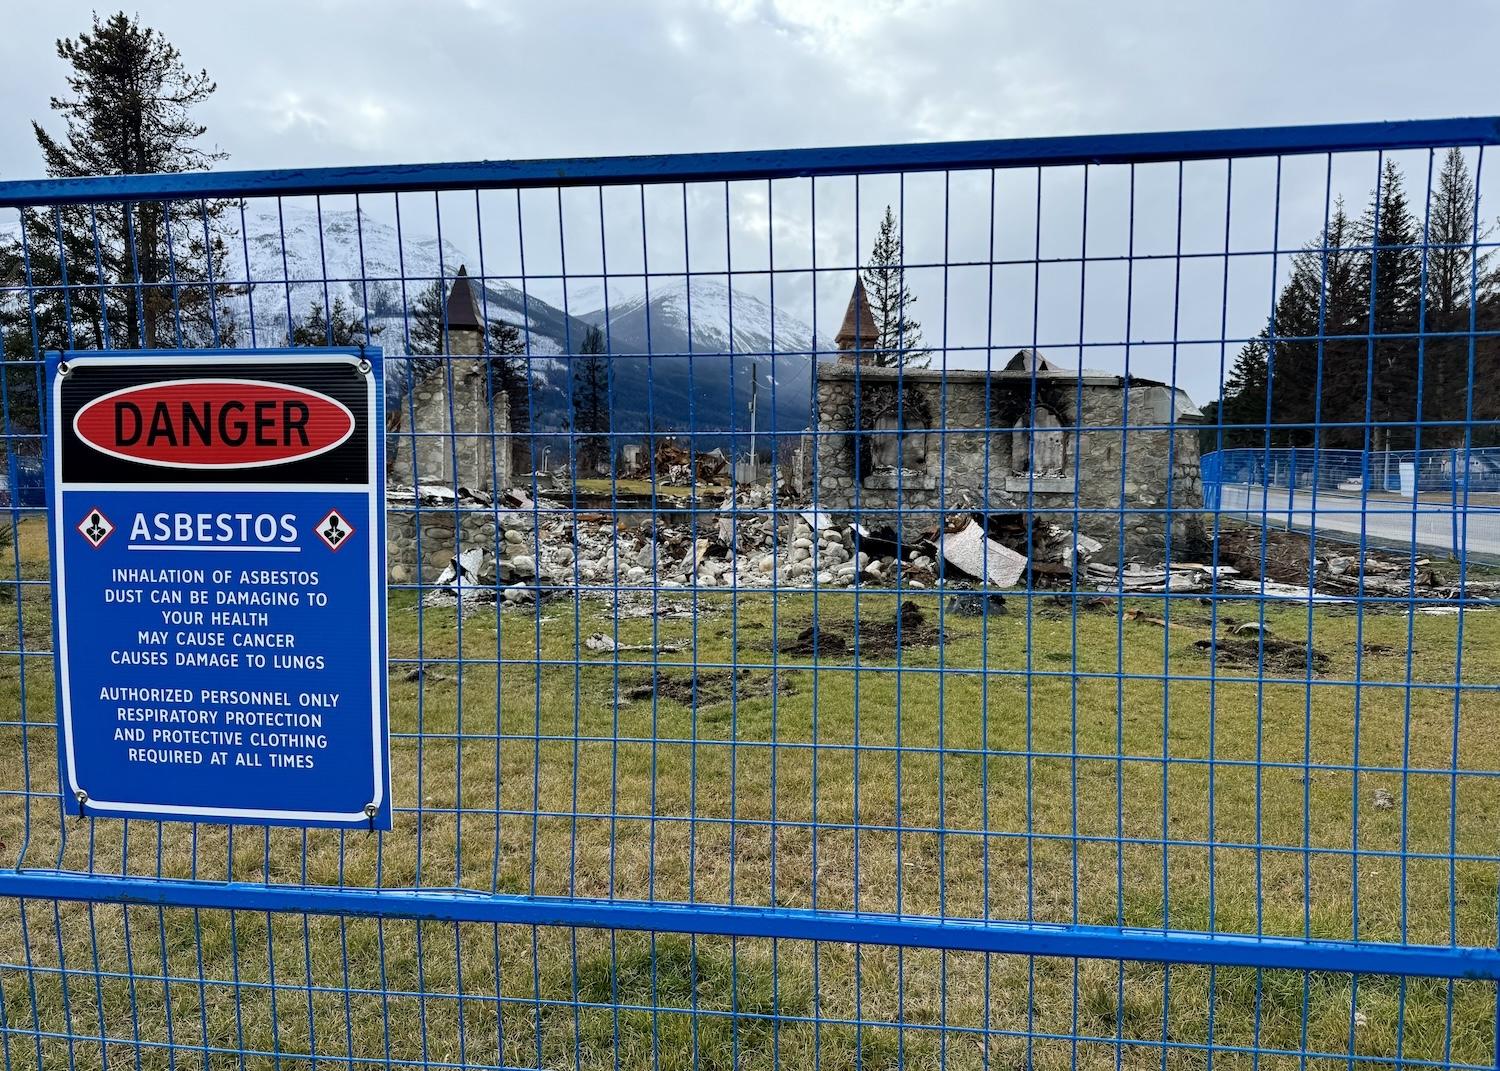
(1453,502)
(1291,488)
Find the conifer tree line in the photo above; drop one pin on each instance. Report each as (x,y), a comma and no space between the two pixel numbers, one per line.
(1379,329)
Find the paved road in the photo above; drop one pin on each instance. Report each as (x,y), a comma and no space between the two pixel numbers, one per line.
(1385,520)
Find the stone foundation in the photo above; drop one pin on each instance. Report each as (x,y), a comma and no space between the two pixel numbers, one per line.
(438,531)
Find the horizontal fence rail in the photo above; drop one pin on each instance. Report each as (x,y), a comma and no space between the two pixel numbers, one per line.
(1025,603)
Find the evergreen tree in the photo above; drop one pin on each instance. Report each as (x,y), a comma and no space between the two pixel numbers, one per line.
(1303,369)
(23,340)
(1242,406)
(1392,271)
(1292,354)
(1341,322)
(899,343)
(591,403)
(138,275)
(1457,283)
(1333,353)
(424,330)
(510,372)
(344,327)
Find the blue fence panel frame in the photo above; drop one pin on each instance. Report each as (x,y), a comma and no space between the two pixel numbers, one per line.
(762,691)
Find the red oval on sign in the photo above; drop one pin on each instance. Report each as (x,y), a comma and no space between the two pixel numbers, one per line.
(214,423)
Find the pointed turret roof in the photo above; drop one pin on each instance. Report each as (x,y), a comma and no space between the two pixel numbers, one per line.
(463,313)
(859,322)
(1029,360)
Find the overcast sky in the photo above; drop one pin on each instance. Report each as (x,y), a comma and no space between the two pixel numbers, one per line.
(342,81)
(323,82)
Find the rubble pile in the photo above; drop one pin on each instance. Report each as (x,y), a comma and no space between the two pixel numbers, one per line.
(754,539)
(673,464)
(750,541)
(1338,578)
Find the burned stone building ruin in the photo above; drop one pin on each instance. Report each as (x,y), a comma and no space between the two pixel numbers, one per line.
(1089,450)
(447,438)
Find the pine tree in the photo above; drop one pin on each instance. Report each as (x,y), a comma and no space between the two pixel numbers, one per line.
(510,372)
(591,403)
(1302,369)
(899,342)
(1292,353)
(1457,283)
(1243,404)
(23,340)
(138,275)
(1342,322)
(1392,271)
(344,327)
(424,322)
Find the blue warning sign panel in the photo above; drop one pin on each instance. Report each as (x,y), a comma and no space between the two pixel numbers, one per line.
(217,521)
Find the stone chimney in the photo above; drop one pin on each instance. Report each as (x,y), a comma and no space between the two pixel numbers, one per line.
(470,379)
(859,334)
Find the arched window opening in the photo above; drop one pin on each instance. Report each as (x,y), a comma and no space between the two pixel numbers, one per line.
(1039,445)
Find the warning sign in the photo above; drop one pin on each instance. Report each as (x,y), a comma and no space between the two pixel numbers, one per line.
(217,522)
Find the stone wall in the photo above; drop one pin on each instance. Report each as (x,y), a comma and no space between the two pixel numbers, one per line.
(457,437)
(454,446)
(420,543)
(449,435)
(919,443)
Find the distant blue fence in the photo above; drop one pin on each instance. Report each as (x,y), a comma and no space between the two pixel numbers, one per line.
(1444,500)
(1457,470)
(25,482)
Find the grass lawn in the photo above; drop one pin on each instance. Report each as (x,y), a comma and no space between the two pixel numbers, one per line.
(1053,763)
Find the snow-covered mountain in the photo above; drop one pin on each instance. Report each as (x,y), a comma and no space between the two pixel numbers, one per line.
(690,327)
(715,313)
(699,379)
(292,252)
(706,341)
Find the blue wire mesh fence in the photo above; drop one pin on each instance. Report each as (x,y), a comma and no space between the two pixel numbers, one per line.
(814,636)
(1444,501)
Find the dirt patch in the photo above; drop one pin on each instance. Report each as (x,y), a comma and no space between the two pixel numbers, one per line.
(1284,553)
(707,688)
(1283,658)
(877,637)
(1061,607)
(1286,561)
(824,639)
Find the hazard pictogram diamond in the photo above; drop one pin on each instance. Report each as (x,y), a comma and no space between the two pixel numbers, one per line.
(333,530)
(95,527)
